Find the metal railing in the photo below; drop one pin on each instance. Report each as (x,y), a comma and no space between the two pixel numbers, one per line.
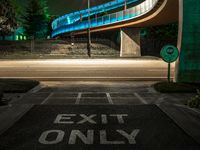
(130,13)
(76,16)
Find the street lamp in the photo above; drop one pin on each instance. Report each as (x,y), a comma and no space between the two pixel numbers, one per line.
(89,35)
(125,5)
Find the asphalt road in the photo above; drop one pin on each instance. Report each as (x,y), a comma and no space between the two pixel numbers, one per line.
(82,115)
(72,69)
(143,127)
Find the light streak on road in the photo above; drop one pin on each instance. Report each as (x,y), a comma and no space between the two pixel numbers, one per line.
(86,69)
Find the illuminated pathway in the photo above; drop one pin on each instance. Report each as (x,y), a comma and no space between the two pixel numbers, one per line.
(86,69)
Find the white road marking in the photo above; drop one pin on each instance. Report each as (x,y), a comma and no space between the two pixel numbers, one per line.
(159,100)
(140,98)
(46,99)
(109,98)
(78,99)
(64,119)
(87,118)
(152,90)
(44,140)
(89,139)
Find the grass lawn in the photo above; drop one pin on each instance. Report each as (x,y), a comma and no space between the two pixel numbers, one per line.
(1,95)
(166,87)
(15,86)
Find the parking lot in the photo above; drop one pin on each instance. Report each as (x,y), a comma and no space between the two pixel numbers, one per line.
(96,115)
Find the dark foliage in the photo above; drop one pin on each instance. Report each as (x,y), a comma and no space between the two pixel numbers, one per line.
(36,19)
(163,32)
(7,17)
(17,85)
(154,38)
(166,87)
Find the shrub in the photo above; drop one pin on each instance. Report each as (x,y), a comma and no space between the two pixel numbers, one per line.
(166,87)
(195,102)
(1,96)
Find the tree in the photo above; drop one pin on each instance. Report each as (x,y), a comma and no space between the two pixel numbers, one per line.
(18,11)
(169,31)
(36,19)
(8,22)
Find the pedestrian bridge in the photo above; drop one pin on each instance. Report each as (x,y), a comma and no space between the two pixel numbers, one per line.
(142,13)
(138,13)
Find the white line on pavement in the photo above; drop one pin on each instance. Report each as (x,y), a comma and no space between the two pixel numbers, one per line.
(78,99)
(46,99)
(140,98)
(109,98)
(152,90)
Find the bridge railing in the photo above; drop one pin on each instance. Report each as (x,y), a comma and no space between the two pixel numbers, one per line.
(130,13)
(75,16)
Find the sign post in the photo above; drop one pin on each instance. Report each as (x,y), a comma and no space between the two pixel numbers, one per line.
(32,43)
(169,71)
(169,54)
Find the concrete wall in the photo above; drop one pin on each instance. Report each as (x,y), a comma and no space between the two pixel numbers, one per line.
(188,65)
(49,48)
(130,42)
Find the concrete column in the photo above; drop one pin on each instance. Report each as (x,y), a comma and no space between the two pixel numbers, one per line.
(188,65)
(130,42)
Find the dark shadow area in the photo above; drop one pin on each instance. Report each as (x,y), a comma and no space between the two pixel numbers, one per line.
(153,39)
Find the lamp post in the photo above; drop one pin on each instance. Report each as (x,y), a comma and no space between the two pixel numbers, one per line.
(125,5)
(89,34)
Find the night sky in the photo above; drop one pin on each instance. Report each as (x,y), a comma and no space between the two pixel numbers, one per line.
(60,7)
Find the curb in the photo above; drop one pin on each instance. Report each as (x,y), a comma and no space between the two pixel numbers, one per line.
(187,119)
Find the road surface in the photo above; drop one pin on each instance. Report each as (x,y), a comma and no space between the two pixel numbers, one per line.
(86,69)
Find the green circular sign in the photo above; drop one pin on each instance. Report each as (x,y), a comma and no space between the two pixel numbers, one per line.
(169,53)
